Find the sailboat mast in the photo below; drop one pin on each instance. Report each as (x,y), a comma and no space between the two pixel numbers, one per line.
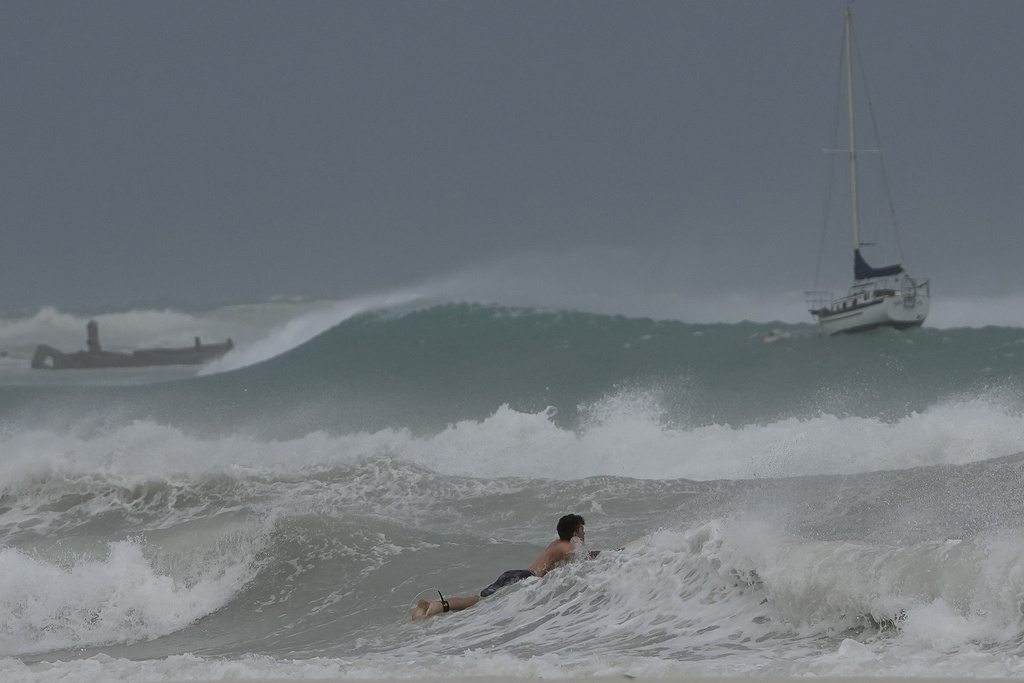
(853,134)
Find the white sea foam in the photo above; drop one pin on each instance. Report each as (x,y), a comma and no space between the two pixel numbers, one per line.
(750,598)
(625,437)
(939,596)
(49,604)
(631,440)
(725,598)
(850,659)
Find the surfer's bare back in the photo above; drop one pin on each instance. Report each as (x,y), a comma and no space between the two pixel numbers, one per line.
(557,553)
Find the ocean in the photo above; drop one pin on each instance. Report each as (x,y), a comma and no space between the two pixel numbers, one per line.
(845,506)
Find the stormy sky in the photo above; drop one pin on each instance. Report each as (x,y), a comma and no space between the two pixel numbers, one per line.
(623,151)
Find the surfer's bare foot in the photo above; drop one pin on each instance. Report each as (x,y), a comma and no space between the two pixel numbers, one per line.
(425,608)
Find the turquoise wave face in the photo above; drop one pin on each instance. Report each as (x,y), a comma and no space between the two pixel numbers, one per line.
(427,368)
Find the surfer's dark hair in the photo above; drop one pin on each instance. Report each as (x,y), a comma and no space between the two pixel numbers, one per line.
(568,525)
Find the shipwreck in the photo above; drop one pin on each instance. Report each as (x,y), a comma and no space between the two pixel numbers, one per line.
(94,357)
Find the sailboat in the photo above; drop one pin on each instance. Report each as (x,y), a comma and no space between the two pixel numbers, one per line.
(879,297)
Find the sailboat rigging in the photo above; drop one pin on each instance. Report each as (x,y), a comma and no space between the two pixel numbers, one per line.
(880,297)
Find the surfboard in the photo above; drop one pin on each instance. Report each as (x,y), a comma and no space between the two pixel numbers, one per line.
(637,543)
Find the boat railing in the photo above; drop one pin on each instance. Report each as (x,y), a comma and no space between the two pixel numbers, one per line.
(913,289)
(818,299)
(880,284)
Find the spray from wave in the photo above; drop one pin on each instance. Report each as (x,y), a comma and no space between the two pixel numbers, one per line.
(624,435)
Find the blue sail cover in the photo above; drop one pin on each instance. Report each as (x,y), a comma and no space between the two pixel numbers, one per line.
(862,271)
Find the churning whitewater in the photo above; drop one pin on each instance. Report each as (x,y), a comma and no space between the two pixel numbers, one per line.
(825,506)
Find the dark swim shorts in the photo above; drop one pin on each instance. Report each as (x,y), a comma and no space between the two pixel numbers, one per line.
(507,579)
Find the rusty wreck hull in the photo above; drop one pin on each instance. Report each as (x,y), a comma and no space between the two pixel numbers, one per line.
(49,358)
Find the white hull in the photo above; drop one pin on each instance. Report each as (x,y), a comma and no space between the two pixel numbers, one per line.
(871,305)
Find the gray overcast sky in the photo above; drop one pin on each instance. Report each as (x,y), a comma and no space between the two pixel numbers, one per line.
(224,150)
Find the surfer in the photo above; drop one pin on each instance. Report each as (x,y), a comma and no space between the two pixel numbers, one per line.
(557,553)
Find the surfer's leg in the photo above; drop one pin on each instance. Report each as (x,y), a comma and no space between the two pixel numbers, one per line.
(462,603)
(428,609)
